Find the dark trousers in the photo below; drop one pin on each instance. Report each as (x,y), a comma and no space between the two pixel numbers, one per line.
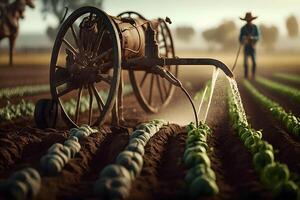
(250,54)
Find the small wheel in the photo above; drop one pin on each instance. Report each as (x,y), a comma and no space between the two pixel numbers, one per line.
(46,113)
(85,67)
(152,91)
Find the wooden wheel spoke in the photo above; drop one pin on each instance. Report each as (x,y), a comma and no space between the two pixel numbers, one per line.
(104,77)
(143,79)
(151,89)
(104,65)
(70,47)
(98,97)
(90,104)
(78,104)
(159,89)
(66,90)
(89,46)
(99,38)
(101,56)
(168,48)
(91,41)
(75,36)
(165,87)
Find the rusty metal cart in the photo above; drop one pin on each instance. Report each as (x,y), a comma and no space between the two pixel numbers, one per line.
(91,50)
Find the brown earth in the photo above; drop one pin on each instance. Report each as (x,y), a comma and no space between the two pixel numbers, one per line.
(22,145)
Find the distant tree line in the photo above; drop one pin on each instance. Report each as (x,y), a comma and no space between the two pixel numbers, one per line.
(226,34)
(185,32)
(292,26)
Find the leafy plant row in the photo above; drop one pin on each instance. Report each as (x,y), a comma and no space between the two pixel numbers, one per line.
(70,106)
(200,178)
(58,155)
(20,91)
(115,180)
(25,108)
(288,77)
(292,92)
(12,111)
(288,120)
(274,176)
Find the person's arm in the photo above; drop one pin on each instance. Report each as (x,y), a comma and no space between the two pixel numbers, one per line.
(255,36)
(241,38)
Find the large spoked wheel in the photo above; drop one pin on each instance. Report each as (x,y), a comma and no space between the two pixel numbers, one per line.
(85,67)
(152,91)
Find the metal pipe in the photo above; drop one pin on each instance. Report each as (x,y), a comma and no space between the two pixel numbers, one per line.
(149,62)
(198,61)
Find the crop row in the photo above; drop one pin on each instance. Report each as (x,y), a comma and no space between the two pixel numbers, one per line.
(25,108)
(58,155)
(290,121)
(274,176)
(289,77)
(12,111)
(294,93)
(200,178)
(115,180)
(26,183)
(20,91)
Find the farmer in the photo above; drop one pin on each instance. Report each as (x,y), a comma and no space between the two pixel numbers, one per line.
(248,37)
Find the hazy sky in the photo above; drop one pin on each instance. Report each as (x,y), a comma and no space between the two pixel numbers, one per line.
(199,13)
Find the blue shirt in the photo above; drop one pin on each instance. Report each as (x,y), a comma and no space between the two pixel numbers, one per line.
(249,30)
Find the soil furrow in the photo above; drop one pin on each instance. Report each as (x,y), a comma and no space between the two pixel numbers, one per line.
(105,154)
(171,171)
(16,145)
(144,187)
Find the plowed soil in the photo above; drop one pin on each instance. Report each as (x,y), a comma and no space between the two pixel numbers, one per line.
(162,176)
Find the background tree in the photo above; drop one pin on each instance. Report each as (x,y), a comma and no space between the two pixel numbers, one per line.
(225,34)
(292,26)
(185,33)
(57,9)
(269,36)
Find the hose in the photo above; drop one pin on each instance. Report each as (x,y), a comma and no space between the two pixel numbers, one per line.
(173,80)
(236,57)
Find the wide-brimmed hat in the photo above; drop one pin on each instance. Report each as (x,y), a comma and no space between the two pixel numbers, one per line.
(248,17)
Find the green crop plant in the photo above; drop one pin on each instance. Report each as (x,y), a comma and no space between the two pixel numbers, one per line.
(289,77)
(200,178)
(20,91)
(25,108)
(287,119)
(12,111)
(274,176)
(23,184)
(115,180)
(58,155)
(294,93)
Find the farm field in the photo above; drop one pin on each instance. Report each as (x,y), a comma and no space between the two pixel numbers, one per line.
(231,172)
